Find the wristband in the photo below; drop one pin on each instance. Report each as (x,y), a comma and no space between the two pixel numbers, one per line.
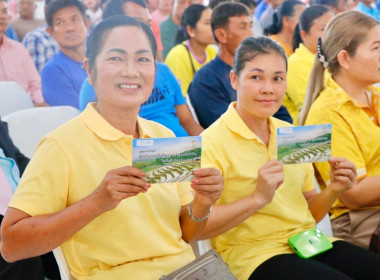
(198,220)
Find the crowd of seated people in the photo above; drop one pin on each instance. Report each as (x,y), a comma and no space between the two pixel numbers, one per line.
(174,68)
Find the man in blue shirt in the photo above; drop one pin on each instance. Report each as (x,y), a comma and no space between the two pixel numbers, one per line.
(63,74)
(210,91)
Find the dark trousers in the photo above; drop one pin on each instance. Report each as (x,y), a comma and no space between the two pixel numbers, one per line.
(344,261)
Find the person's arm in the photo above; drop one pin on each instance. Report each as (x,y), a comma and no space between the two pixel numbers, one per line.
(342,174)
(34,80)
(187,121)
(24,236)
(365,193)
(208,186)
(226,216)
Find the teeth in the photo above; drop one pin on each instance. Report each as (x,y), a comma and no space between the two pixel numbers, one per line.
(128,86)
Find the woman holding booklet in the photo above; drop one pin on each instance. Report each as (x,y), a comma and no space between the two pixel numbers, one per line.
(350,50)
(80,191)
(264,203)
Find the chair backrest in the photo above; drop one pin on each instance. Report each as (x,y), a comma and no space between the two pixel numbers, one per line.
(62,264)
(27,127)
(13,97)
(191,108)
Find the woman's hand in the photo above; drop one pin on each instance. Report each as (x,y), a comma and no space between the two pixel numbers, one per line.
(208,185)
(269,179)
(342,174)
(117,185)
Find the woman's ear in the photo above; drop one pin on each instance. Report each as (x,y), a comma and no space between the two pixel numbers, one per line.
(190,31)
(344,59)
(303,35)
(234,80)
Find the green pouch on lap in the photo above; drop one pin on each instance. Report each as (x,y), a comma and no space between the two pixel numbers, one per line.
(310,243)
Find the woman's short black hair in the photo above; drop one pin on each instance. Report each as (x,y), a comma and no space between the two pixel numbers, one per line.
(251,47)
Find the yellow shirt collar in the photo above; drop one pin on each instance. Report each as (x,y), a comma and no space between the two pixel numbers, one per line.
(97,124)
(235,123)
(342,97)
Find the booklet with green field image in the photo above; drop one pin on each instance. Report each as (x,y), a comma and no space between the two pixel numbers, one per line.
(302,144)
(167,160)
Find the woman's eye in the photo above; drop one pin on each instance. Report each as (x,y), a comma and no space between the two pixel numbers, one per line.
(114,58)
(278,79)
(144,59)
(255,77)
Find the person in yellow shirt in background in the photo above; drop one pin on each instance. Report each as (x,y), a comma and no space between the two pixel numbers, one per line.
(193,49)
(350,50)
(263,202)
(80,190)
(285,20)
(310,27)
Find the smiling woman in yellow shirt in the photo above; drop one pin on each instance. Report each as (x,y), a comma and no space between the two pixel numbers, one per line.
(310,27)
(80,190)
(263,202)
(352,105)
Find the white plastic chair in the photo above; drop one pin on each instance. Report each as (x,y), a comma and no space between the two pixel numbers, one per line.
(13,97)
(62,264)
(191,108)
(27,127)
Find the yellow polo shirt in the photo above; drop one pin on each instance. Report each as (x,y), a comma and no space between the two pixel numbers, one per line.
(179,62)
(238,153)
(355,132)
(299,68)
(139,239)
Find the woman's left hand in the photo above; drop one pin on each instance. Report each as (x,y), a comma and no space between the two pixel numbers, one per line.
(342,174)
(208,185)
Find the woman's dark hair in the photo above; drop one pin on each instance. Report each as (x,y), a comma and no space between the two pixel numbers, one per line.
(54,6)
(100,32)
(213,3)
(115,7)
(287,9)
(251,47)
(190,17)
(306,21)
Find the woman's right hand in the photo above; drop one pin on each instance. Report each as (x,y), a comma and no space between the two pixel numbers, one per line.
(117,185)
(269,179)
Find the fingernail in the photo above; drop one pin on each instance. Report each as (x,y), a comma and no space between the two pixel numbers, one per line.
(196,172)
(195,181)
